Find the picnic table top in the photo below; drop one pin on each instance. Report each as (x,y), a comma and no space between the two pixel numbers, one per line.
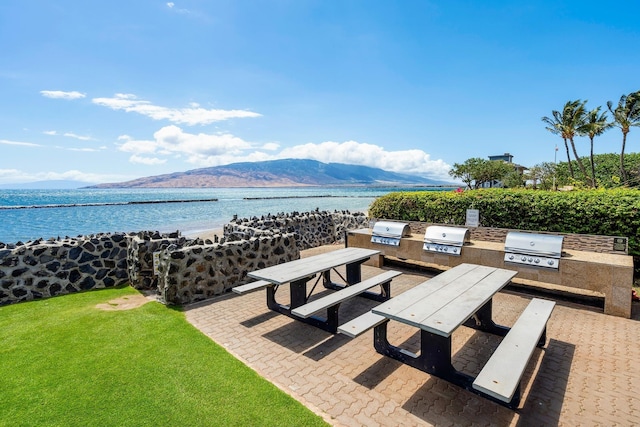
(443,303)
(308,266)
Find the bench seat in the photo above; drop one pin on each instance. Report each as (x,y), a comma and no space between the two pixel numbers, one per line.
(361,324)
(309,309)
(251,287)
(500,377)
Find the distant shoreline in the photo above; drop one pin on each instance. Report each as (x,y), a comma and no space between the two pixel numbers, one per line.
(77,205)
(143,202)
(299,197)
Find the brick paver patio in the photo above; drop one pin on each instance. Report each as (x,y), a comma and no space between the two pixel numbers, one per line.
(589,375)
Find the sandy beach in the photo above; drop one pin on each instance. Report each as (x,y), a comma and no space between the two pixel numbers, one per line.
(205,234)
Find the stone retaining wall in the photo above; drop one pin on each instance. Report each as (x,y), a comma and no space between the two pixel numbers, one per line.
(196,273)
(194,268)
(313,229)
(140,257)
(41,269)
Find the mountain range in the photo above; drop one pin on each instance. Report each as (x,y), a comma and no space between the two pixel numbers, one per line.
(276,173)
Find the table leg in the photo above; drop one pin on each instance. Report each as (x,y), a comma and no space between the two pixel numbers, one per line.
(354,272)
(483,321)
(354,275)
(297,292)
(434,357)
(298,295)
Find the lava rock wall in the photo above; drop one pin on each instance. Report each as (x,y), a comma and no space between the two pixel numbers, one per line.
(196,273)
(41,269)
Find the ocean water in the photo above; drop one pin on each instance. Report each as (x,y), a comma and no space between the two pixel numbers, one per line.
(32,214)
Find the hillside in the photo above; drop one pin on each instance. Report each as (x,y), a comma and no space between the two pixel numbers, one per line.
(275,173)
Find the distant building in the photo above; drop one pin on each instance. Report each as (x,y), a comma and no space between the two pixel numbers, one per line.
(508,158)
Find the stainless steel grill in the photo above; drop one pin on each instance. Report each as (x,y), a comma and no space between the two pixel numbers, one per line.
(389,232)
(446,240)
(539,250)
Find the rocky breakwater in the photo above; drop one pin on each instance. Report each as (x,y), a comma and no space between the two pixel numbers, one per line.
(197,272)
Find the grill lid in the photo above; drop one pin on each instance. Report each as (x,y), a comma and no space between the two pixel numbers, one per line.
(389,232)
(446,235)
(534,244)
(446,240)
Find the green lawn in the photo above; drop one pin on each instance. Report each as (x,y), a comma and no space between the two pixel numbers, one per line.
(65,363)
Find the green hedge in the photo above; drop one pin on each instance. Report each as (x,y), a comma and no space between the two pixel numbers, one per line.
(602,212)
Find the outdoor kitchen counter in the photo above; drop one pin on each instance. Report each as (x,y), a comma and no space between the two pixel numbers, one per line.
(591,273)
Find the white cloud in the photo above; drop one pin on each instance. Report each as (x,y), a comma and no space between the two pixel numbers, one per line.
(84,150)
(199,148)
(69,135)
(271,146)
(136,146)
(11,176)
(58,94)
(171,5)
(352,152)
(146,160)
(193,115)
(23,144)
(8,173)
(220,149)
(174,139)
(80,137)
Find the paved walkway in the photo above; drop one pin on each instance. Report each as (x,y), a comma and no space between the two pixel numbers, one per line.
(589,376)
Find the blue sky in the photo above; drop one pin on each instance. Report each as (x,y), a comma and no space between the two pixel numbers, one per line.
(112,91)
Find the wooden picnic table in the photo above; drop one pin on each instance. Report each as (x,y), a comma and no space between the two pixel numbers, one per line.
(300,272)
(463,296)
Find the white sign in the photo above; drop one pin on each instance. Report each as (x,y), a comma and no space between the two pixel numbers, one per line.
(156,262)
(473,218)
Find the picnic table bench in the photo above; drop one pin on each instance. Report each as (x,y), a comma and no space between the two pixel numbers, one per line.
(299,273)
(461,296)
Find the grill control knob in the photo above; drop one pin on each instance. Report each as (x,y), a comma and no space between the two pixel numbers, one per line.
(524,258)
(455,250)
(550,262)
(445,249)
(537,260)
(530,259)
(511,257)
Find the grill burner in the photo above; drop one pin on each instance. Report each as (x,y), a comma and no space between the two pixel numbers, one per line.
(446,240)
(389,233)
(539,250)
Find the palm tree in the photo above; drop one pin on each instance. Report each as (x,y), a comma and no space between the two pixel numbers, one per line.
(625,115)
(566,124)
(595,125)
(555,127)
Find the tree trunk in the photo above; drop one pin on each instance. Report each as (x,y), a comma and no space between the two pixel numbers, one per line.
(580,164)
(623,172)
(593,166)
(566,147)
